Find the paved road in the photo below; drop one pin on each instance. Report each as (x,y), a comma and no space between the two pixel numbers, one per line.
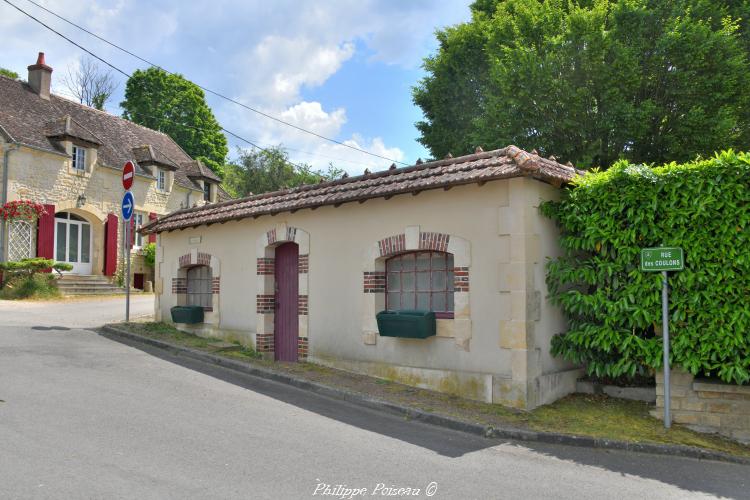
(78,312)
(87,417)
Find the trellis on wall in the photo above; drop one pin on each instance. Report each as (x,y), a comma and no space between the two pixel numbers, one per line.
(21,240)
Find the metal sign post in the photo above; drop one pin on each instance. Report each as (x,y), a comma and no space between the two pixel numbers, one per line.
(128,204)
(664,259)
(127,271)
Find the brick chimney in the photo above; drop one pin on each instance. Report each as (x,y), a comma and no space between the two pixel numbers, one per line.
(40,77)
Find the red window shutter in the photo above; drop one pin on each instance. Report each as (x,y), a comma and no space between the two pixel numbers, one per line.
(151,237)
(45,235)
(110,245)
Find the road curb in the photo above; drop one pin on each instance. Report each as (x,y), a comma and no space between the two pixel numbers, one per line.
(426,417)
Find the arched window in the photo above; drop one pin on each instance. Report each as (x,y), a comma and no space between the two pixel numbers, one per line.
(420,280)
(199,287)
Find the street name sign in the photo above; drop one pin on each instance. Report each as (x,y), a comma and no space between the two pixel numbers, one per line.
(127,205)
(128,174)
(662,259)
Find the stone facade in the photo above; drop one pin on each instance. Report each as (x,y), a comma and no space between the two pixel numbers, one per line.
(706,405)
(49,178)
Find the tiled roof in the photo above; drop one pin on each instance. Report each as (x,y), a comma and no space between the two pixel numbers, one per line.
(67,127)
(479,168)
(25,117)
(149,155)
(197,170)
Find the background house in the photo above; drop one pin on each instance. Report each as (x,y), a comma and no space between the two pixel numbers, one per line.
(69,157)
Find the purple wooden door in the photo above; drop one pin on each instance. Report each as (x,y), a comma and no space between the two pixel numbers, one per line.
(286,323)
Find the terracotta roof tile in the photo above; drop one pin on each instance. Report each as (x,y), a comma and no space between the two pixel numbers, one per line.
(476,168)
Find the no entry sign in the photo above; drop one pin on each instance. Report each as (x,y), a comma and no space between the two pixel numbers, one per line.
(128,174)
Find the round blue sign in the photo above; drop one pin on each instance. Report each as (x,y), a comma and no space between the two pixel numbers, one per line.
(128,203)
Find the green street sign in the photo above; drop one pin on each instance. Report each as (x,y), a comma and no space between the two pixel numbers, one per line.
(662,259)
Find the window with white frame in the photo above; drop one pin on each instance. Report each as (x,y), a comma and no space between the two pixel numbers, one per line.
(206,191)
(199,287)
(79,158)
(137,222)
(161,180)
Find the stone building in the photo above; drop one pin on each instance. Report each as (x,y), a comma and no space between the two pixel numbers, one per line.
(69,157)
(302,273)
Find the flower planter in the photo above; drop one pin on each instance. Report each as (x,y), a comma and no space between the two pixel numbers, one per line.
(406,324)
(187,314)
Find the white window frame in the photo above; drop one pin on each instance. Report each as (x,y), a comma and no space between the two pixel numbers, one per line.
(137,223)
(161,179)
(79,158)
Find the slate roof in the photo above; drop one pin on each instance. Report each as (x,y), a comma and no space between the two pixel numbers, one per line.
(197,170)
(149,155)
(479,168)
(66,127)
(30,120)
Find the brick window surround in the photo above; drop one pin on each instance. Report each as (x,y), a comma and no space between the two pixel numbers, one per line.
(266,277)
(414,240)
(180,282)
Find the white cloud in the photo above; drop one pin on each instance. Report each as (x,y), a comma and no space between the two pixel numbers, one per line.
(350,160)
(262,53)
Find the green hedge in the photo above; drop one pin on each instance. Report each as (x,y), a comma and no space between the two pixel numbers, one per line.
(33,265)
(614,310)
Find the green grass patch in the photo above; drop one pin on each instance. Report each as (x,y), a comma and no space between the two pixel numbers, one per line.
(34,286)
(168,333)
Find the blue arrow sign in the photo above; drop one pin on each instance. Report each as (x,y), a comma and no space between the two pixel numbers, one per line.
(127,205)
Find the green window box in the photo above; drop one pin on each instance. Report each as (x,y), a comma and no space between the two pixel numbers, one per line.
(408,324)
(187,314)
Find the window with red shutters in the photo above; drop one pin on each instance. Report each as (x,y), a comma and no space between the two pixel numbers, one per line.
(420,280)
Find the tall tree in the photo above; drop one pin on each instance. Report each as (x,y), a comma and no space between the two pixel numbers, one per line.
(177,107)
(262,170)
(591,81)
(89,84)
(9,73)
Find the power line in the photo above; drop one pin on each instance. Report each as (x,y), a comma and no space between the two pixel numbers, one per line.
(127,75)
(217,94)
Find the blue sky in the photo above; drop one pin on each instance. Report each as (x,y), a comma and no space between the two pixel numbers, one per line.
(343,68)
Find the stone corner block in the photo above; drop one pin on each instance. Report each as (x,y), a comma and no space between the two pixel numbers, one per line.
(515,334)
(370,338)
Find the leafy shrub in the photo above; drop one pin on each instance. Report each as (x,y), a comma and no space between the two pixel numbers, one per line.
(33,265)
(27,286)
(614,310)
(149,255)
(24,278)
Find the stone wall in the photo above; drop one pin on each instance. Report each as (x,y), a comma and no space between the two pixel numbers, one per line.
(706,405)
(47,177)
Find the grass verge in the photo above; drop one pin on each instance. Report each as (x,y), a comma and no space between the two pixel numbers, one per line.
(36,286)
(582,415)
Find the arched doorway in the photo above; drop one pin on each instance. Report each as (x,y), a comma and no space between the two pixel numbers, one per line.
(73,238)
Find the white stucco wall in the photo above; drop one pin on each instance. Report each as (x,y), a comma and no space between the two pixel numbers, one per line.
(506,357)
